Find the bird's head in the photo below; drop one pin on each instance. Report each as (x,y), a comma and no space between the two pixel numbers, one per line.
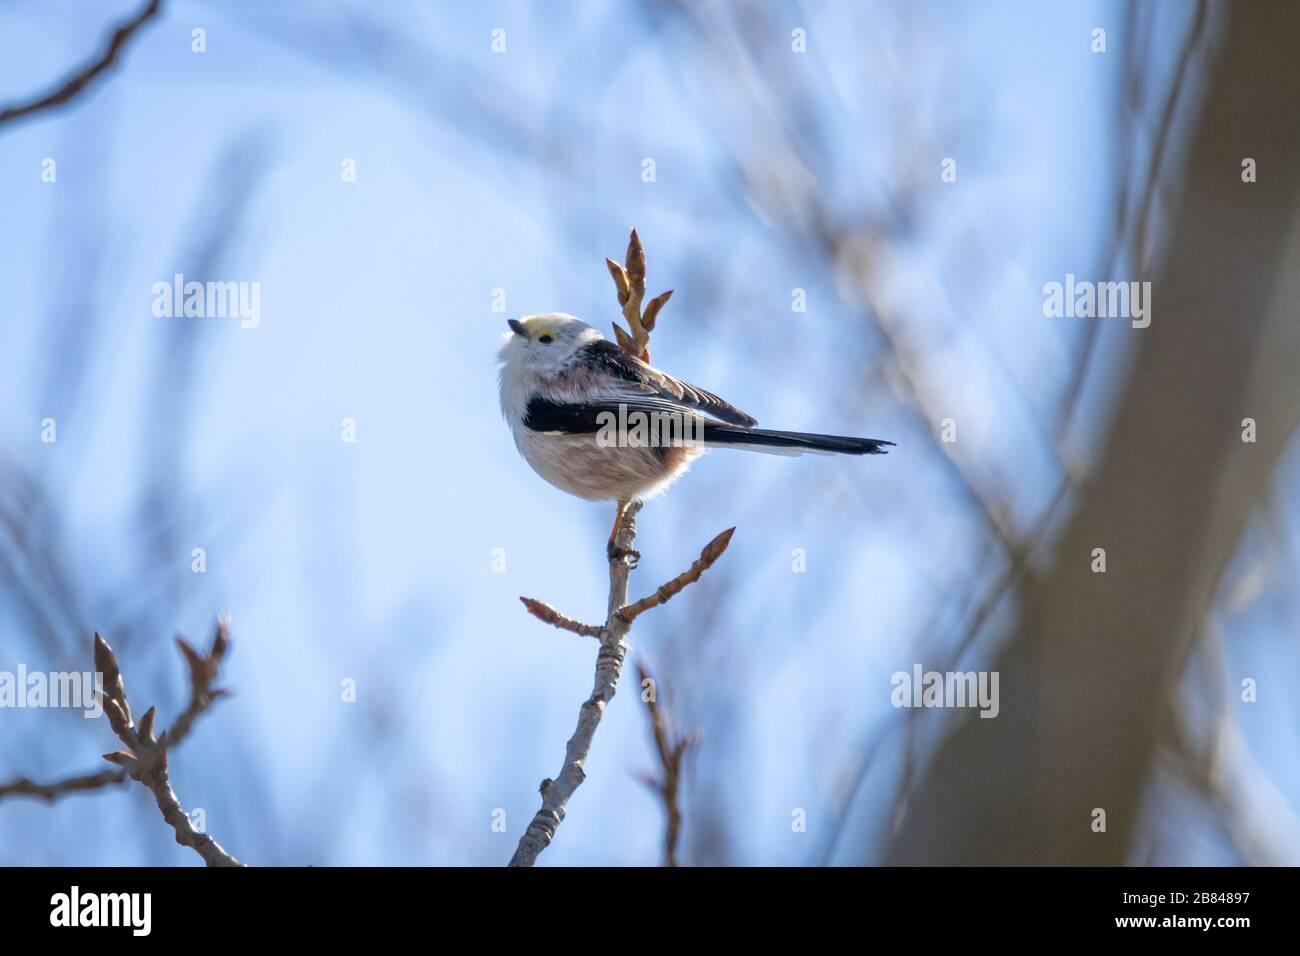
(546,342)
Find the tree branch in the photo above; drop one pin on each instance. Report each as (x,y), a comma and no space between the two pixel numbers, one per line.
(609,663)
(629,280)
(671,749)
(666,592)
(78,81)
(49,792)
(544,612)
(146,757)
(1194,489)
(203,671)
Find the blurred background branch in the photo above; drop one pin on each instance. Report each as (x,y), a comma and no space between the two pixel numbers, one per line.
(671,748)
(203,670)
(145,759)
(78,81)
(1092,661)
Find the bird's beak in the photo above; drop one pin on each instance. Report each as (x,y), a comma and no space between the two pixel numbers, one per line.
(517,327)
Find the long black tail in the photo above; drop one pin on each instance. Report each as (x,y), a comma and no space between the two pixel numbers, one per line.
(789,443)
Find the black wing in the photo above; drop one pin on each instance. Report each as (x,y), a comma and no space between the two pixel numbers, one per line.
(586,418)
(669,419)
(640,381)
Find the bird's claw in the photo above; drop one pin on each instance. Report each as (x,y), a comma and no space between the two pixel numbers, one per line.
(629,555)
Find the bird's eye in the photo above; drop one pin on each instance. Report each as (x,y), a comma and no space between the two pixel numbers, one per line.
(545,339)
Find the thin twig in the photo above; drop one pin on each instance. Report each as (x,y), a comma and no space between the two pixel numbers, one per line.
(203,671)
(78,81)
(145,759)
(609,664)
(671,749)
(1016,567)
(1257,819)
(49,792)
(1138,222)
(544,612)
(666,592)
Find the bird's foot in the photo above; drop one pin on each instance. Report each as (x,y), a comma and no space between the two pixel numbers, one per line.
(629,555)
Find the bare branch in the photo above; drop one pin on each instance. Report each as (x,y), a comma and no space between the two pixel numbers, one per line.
(78,81)
(671,749)
(49,792)
(666,592)
(203,670)
(629,281)
(145,758)
(609,664)
(1256,818)
(1192,517)
(544,612)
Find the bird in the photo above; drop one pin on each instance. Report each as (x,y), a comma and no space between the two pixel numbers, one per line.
(599,423)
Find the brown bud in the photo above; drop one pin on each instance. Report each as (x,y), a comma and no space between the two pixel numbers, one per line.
(114,687)
(193,660)
(105,660)
(116,715)
(635,260)
(539,610)
(620,280)
(713,550)
(146,724)
(220,642)
(652,310)
(625,341)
